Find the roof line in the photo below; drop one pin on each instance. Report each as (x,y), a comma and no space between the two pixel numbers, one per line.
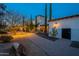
(66,17)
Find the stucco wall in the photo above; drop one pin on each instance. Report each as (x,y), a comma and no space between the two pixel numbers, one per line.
(72,23)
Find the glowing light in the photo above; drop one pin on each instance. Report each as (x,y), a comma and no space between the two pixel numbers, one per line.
(56,25)
(21,35)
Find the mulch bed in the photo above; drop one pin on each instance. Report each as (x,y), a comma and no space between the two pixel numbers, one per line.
(44,35)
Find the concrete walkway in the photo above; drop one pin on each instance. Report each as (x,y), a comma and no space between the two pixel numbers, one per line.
(31,48)
(59,47)
(38,46)
(5,49)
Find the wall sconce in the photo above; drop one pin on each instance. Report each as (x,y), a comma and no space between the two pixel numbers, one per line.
(56,25)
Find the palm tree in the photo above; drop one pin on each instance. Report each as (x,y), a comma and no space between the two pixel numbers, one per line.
(50,13)
(45,18)
(36,23)
(23,23)
(31,23)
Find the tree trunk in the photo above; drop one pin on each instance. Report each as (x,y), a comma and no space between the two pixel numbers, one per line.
(45,18)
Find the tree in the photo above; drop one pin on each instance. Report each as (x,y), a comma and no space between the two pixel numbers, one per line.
(23,23)
(3,7)
(45,18)
(36,23)
(50,13)
(31,23)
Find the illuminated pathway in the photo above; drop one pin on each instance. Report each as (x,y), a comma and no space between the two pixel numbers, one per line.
(41,46)
(24,38)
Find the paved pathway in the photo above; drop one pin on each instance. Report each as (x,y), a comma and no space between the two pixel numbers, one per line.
(31,48)
(5,49)
(41,46)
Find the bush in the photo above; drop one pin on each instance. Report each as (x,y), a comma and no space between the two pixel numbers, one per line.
(3,32)
(6,39)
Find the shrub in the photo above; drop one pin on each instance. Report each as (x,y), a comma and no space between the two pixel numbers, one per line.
(6,39)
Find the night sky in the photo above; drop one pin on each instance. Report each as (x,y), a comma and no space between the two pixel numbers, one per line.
(58,9)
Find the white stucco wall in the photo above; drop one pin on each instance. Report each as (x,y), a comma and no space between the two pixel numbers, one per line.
(72,23)
(75,35)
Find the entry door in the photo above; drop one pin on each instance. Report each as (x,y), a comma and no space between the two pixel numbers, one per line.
(66,33)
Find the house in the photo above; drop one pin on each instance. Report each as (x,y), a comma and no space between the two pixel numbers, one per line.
(66,27)
(41,23)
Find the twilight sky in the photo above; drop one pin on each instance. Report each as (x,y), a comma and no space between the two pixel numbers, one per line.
(58,9)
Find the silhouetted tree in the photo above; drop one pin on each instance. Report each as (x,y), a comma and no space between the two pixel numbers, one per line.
(36,23)
(50,12)
(23,23)
(31,23)
(2,6)
(45,18)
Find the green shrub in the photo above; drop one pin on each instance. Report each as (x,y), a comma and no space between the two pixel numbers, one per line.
(54,32)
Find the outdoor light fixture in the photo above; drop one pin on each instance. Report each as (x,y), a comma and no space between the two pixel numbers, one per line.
(56,25)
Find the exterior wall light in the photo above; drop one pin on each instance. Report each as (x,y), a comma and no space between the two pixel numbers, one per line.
(56,25)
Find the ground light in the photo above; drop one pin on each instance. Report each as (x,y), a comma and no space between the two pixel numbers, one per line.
(21,35)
